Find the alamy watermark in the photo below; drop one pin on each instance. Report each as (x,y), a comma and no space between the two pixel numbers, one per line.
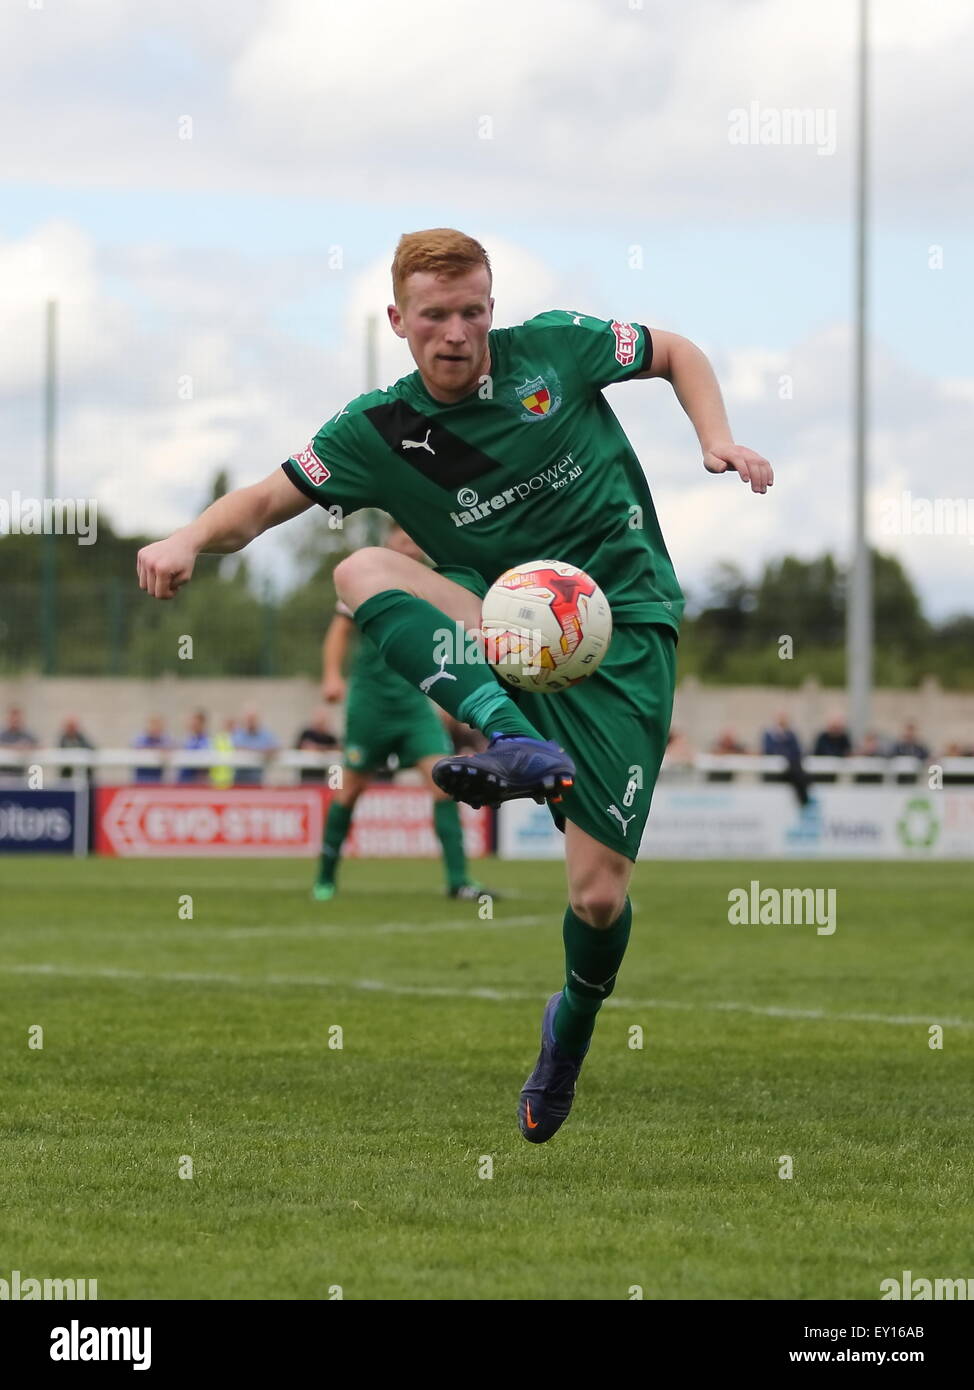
(907,515)
(22,1288)
(77,1343)
(755,124)
(757,906)
(460,646)
(919,1290)
(50,516)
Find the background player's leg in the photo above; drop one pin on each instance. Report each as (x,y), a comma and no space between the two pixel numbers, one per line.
(410,613)
(449,831)
(337,822)
(596,933)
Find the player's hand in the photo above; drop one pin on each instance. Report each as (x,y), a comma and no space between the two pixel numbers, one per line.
(751,467)
(333,690)
(165,566)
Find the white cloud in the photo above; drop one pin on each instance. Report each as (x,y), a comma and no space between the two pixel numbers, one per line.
(138,322)
(56,262)
(598,109)
(751,371)
(913,445)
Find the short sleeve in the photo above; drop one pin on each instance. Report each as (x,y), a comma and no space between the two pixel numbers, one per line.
(333,469)
(606,350)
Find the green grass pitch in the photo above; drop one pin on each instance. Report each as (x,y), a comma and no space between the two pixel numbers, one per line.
(360,1167)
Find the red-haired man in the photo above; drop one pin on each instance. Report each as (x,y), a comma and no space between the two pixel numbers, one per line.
(500,448)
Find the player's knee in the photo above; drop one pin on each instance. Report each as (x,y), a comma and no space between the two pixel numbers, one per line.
(599,904)
(361,575)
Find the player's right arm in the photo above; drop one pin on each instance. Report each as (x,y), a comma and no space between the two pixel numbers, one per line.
(334,650)
(228,524)
(336,471)
(610,351)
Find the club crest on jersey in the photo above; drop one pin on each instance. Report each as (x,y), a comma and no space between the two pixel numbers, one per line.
(626,338)
(537,399)
(311,465)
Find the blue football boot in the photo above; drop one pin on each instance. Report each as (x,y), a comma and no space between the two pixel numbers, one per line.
(547,1095)
(510,767)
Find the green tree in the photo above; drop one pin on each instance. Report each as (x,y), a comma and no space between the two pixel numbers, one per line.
(736,635)
(801,598)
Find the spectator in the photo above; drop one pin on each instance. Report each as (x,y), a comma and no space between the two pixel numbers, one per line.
(251,736)
(834,740)
(909,745)
(679,752)
(728,742)
(155,736)
(73,737)
(872,746)
(196,738)
(782,740)
(15,733)
(222,773)
(316,737)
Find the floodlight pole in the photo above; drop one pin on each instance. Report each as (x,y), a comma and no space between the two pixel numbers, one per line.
(372,526)
(372,352)
(859,610)
(49,540)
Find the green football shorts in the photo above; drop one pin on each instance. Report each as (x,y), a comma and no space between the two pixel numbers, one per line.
(411,729)
(614,725)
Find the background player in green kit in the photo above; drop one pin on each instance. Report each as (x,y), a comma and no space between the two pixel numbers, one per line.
(384,714)
(500,448)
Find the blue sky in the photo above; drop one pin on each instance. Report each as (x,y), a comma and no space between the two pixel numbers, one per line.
(728,284)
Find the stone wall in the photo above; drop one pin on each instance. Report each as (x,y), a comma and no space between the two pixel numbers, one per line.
(113,711)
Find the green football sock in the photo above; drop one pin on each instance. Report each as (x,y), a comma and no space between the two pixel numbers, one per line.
(336,828)
(421,643)
(493,712)
(449,832)
(592,958)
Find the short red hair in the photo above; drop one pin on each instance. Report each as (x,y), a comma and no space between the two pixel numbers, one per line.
(439,251)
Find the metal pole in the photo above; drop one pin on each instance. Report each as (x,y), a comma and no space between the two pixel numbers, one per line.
(268,646)
(372,352)
(859,616)
(373,529)
(117,620)
(49,543)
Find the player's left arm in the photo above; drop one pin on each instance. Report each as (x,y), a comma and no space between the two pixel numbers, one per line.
(688,371)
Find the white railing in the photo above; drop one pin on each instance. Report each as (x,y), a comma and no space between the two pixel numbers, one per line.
(283,767)
(748,767)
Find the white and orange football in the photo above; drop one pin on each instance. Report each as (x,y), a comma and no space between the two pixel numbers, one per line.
(546,626)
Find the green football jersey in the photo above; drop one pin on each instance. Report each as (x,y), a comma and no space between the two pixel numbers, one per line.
(532,465)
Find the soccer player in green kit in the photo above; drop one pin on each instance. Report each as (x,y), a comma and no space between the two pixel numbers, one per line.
(385,714)
(500,448)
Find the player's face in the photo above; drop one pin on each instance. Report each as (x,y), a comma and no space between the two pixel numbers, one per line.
(445,322)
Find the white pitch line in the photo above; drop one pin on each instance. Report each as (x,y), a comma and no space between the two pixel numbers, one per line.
(326,929)
(311,930)
(495,995)
(285,886)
